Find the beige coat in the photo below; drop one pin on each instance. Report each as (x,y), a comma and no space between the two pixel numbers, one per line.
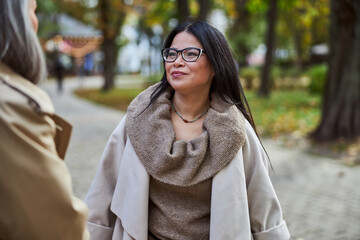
(244,205)
(36,199)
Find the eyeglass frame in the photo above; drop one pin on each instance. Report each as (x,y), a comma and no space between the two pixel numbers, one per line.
(182,55)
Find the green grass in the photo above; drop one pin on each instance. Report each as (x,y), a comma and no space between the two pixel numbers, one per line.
(285,112)
(115,98)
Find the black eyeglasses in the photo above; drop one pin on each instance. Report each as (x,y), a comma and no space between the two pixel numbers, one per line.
(190,54)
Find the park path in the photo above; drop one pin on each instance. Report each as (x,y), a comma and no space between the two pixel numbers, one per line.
(320,197)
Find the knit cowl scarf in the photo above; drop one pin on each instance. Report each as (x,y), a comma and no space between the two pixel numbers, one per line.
(180,162)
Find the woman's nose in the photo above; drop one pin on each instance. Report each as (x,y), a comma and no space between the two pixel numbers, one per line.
(179,61)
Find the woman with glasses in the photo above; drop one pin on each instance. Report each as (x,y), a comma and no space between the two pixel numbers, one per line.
(185,162)
(36,199)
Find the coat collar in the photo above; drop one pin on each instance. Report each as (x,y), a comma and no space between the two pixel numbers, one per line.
(40,102)
(36,95)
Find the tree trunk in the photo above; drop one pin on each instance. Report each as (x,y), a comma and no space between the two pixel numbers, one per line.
(238,31)
(110,54)
(341,102)
(111,22)
(264,89)
(183,10)
(205,6)
(298,48)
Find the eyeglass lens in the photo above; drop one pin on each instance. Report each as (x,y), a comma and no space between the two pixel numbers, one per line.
(188,54)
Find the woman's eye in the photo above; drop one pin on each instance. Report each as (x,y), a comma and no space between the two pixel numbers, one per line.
(191,54)
(172,54)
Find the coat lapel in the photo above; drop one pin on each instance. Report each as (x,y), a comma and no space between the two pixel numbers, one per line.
(63,134)
(131,196)
(229,215)
(39,100)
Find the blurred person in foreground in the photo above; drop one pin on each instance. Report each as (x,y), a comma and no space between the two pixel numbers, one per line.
(36,199)
(185,162)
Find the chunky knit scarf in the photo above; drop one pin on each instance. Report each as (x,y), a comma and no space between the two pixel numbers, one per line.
(180,162)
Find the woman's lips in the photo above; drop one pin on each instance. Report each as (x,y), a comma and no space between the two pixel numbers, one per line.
(177,74)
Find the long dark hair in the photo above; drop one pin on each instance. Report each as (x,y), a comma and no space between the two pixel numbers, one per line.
(226,82)
(19,45)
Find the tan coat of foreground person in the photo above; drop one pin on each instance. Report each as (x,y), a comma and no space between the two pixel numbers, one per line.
(36,199)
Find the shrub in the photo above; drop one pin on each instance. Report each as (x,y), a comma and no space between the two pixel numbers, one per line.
(317,75)
(289,77)
(249,74)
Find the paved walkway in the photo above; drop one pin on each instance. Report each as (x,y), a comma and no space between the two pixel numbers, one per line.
(320,197)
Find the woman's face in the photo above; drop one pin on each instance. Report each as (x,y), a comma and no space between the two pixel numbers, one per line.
(189,77)
(32,14)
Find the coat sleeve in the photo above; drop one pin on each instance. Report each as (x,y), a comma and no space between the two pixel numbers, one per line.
(36,199)
(264,208)
(101,219)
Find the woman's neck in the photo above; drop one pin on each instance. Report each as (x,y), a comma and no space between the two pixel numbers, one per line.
(190,107)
